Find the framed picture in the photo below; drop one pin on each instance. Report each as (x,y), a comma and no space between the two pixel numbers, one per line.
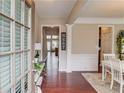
(63,40)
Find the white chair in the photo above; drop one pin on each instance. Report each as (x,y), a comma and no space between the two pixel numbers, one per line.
(117,74)
(108,58)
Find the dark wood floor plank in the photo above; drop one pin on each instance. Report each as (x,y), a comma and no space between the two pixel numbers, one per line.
(61,82)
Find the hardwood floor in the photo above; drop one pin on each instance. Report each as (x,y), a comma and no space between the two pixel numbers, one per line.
(61,82)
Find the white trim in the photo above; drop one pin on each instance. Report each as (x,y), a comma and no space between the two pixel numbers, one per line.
(69,45)
(99,20)
(13,52)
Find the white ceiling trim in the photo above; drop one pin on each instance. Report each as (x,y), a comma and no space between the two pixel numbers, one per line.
(99,21)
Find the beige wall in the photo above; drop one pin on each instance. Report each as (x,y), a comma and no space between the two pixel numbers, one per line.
(85,38)
(48,21)
(37,27)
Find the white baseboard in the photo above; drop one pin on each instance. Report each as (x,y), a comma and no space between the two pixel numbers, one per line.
(62,70)
(68,71)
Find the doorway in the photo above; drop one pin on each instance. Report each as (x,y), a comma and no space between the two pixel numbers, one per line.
(105,43)
(53,44)
(50,41)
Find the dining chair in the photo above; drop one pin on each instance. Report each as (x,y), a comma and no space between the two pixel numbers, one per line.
(108,58)
(117,74)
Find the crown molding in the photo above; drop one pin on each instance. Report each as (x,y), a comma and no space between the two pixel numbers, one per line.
(99,21)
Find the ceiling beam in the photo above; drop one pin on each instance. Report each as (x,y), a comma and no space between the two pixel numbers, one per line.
(76,11)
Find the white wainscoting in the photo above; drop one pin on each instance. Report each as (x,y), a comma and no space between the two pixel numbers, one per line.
(84,62)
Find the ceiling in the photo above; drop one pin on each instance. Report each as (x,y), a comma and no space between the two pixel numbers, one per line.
(54,8)
(103,8)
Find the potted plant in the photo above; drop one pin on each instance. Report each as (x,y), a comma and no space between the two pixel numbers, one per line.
(36,57)
(120,44)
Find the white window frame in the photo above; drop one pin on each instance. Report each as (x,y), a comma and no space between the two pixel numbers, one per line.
(13,52)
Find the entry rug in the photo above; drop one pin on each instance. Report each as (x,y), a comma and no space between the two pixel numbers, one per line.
(101,86)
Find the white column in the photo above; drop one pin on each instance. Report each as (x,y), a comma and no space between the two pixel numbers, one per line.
(69,45)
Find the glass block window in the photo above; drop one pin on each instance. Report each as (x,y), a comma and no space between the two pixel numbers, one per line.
(26,38)
(18,10)
(25,61)
(17,65)
(26,15)
(6,7)
(18,87)
(5,78)
(18,37)
(4,34)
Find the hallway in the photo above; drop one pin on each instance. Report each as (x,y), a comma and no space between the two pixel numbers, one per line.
(61,82)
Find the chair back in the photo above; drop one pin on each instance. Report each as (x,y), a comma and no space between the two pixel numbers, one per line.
(117,70)
(108,57)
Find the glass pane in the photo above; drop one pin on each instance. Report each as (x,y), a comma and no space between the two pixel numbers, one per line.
(48,46)
(6,8)
(26,15)
(48,36)
(26,39)
(1,3)
(17,65)
(18,87)
(1,33)
(25,61)
(54,44)
(18,10)
(4,34)
(9,91)
(26,83)
(18,37)
(55,37)
(5,73)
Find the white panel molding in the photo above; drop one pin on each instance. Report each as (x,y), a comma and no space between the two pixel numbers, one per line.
(84,62)
(99,21)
